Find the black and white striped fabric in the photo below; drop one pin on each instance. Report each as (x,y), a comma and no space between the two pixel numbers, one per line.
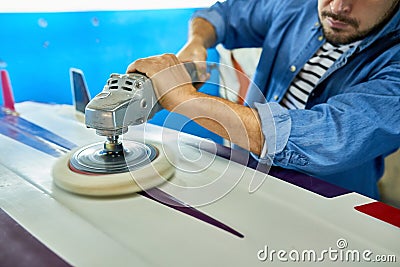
(297,95)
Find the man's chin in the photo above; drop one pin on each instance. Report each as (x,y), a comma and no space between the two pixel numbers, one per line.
(340,37)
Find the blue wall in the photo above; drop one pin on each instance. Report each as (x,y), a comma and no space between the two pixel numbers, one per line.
(37,49)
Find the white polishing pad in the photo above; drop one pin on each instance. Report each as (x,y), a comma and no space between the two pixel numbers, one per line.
(151,175)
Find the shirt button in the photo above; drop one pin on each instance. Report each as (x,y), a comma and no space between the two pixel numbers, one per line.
(276,97)
(316,24)
(293,68)
(320,38)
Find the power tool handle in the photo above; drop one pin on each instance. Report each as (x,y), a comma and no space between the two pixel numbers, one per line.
(192,70)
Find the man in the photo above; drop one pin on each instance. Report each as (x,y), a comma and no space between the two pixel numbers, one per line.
(330,75)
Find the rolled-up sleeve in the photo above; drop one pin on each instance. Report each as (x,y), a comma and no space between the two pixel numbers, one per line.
(334,136)
(276,124)
(215,19)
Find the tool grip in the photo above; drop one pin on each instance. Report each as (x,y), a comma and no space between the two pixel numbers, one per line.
(192,70)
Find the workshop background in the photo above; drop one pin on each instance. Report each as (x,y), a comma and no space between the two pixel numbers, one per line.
(39,47)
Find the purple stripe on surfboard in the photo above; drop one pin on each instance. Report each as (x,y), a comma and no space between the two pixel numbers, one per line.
(170,201)
(33,135)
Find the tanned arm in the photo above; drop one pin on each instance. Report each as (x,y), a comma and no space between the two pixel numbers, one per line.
(234,122)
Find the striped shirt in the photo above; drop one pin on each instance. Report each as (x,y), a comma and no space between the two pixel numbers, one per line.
(297,95)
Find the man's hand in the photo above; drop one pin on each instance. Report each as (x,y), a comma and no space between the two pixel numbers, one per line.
(192,51)
(171,81)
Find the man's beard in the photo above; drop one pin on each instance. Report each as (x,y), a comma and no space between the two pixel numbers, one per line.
(339,36)
(334,36)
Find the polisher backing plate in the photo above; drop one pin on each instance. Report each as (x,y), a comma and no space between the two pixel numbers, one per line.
(94,159)
(94,184)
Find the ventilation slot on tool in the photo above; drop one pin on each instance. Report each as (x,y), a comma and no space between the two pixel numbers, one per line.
(113,82)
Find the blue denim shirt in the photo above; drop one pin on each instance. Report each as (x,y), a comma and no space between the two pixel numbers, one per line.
(352,118)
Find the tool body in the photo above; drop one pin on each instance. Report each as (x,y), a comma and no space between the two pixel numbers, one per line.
(107,111)
(126,100)
(108,114)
